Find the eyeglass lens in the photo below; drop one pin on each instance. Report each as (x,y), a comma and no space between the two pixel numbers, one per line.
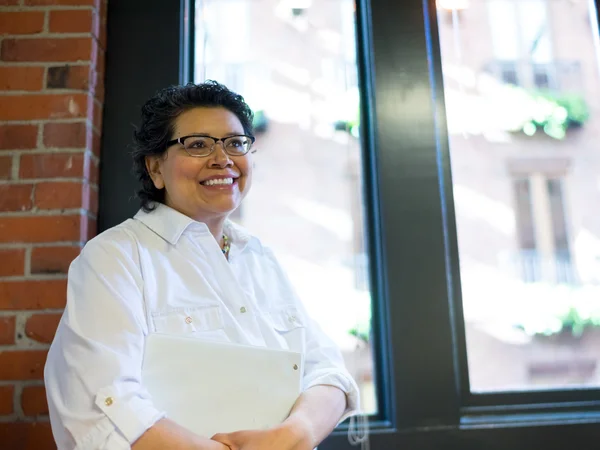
(203,145)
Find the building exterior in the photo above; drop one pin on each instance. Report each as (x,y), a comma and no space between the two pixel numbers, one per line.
(528,231)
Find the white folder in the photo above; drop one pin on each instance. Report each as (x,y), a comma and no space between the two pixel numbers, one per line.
(212,387)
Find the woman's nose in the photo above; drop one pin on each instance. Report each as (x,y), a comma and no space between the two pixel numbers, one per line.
(219,156)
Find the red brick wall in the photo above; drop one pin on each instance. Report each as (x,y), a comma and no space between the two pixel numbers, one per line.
(51,96)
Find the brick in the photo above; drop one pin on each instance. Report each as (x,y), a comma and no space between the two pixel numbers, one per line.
(15,197)
(5,167)
(32,294)
(96,143)
(46,260)
(97,112)
(89,228)
(21,78)
(69,77)
(94,172)
(42,327)
(9,2)
(94,3)
(33,400)
(96,23)
(42,106)
(97,85)
(21,22)
(12,262)
(17,137)
(100,62)
(33,229)
(7,330)
(71,21)
(102,24)
(6,400)
(65,135)
(90,198)
(57,195)
(27,436)
(48,49)
(22,364)
(52,165)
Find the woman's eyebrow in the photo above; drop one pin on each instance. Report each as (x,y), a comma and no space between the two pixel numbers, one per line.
(232,133)
(196,133)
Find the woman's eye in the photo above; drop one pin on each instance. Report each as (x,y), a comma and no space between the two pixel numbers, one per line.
(198,144)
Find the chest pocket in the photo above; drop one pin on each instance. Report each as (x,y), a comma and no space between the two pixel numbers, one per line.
(204,321)
(289,325)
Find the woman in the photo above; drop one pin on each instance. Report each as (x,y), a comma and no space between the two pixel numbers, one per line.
(180,267)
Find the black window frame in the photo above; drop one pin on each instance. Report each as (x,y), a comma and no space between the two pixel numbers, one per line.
(419,335)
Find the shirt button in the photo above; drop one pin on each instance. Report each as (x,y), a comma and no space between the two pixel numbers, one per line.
(292,319)
(108,401)
(295,366)
(188,319)
(243,309)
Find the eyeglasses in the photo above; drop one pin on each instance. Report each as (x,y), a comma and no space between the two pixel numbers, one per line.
(200,146)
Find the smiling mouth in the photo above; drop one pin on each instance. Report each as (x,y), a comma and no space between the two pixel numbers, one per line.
(218,182)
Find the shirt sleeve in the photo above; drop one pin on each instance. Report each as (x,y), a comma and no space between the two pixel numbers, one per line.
(324,365)
(323,361)
(93,370)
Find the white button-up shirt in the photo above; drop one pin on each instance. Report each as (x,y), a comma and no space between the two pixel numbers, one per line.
(164,272)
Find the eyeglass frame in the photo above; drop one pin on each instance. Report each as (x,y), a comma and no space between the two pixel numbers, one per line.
(212,149)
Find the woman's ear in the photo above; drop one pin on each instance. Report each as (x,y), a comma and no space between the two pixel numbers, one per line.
(154,166)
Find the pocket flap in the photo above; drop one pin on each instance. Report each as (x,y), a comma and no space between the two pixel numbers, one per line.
(188,320)
(286,319)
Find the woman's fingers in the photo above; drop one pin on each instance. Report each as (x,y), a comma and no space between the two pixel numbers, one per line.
(224,439)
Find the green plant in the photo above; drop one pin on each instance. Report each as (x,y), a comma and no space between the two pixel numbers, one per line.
(554,113)
(362,329)
(260,121)
(576,323)
(548,310)
(350,126)
(363,335)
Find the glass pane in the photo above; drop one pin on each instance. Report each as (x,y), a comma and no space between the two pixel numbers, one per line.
(294,62)
(522,89)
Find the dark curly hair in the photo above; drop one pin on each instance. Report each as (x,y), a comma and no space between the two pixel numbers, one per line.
(158,122)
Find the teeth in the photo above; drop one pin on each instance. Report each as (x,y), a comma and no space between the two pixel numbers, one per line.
(218,181)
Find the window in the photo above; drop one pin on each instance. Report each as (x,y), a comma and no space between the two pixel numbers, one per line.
(521,194)
(303,85)
(418,110)
(544,249)
(521,41)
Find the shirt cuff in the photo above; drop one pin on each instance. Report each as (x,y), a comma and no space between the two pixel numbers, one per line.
(342,381)
(130,415)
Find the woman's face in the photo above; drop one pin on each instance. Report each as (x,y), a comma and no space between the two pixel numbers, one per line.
(183,176)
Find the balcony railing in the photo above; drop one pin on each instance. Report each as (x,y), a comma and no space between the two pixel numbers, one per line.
(531,267)
(558,76)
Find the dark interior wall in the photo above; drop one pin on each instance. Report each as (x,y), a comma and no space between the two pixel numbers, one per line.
(143,55)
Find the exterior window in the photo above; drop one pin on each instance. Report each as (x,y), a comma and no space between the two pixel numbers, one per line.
(303,88)
(524,170)
(521,42)
(544,251)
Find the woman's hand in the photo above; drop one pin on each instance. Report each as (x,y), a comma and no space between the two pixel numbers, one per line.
(313,416)
(168,434)
(283,437)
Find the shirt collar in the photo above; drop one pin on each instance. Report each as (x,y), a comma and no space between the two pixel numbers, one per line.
(167,222)
(170,224)
(240,237)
